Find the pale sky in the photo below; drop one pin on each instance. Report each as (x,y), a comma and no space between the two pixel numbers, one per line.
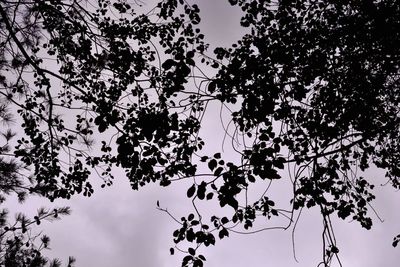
(120,227)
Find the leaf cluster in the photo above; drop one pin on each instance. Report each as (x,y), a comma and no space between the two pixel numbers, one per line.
(311,93)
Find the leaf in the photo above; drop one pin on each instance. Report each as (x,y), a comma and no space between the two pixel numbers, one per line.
(198,263)
(396,240)
(168,64)
(187,259)
(190,235)
(335,249)
(190,54)
(191,191)
(204,159)
(251,178)
(184,70)
(224,220)
(201,190)
(212,86)
(191,251)
(218,171)
(224,232)
(279,163)
(212,164)
(165,182)
(202,257)
(233,203)
(190,62)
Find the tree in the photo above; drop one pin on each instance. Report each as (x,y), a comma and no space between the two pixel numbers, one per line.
(20,244)
(312,89)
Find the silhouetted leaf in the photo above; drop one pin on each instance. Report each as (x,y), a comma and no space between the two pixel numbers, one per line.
(191,191)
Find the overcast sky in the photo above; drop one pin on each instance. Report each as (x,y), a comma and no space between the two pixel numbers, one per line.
(120,227)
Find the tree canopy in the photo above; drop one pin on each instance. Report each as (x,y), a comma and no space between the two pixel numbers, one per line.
(21,244)
(310,95)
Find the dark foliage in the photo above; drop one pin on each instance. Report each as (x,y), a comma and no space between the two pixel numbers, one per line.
(312,89)
(20,245)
